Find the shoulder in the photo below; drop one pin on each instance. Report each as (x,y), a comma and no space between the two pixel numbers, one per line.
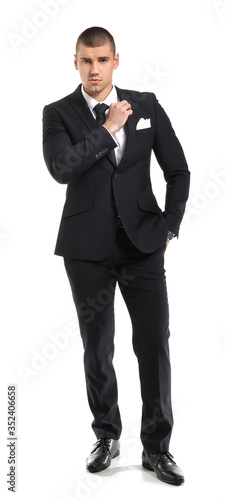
(61,103)
(137,99)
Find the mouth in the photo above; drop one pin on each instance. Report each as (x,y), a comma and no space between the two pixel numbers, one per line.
(94,80)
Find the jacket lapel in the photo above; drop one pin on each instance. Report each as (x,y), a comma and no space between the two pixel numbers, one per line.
(79,104)
(130,124)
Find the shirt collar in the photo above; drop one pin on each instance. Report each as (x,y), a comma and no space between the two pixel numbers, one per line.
(91,102)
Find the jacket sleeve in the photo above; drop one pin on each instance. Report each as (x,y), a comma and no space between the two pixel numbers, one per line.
(65,160)
(170,156)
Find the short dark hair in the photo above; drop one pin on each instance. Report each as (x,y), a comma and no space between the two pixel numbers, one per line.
(96,37)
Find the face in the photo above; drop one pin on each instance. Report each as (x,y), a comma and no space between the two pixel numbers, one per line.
(96,66)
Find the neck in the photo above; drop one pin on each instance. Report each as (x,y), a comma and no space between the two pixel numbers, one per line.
(101,95)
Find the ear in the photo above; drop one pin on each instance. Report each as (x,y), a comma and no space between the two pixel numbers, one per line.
(116,61)
(75,61)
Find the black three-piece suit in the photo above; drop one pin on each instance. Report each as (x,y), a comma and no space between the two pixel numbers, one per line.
(98,252)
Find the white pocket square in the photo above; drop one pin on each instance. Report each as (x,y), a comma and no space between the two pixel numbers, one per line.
(143,123)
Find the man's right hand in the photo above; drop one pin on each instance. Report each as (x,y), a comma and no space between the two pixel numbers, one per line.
(118,114)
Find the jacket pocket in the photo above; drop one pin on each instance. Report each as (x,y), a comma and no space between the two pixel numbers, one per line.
(149,205)
(77,207)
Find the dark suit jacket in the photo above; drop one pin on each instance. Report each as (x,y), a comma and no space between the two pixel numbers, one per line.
(76,153)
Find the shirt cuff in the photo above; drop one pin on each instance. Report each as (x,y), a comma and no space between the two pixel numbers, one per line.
(117,144)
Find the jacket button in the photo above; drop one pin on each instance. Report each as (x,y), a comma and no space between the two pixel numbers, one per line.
(116,175)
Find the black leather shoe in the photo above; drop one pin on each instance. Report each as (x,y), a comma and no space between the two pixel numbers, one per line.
(101,456)
(165,468)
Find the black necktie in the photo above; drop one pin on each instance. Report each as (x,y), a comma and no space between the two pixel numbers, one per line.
(100,110)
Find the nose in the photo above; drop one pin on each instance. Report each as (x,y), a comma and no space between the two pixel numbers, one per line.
(94,69)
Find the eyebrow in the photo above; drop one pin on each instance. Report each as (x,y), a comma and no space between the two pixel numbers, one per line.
(89,58)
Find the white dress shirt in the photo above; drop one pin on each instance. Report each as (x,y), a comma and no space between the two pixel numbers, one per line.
(120,136)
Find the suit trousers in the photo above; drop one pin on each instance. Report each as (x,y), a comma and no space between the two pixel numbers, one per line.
(141,279)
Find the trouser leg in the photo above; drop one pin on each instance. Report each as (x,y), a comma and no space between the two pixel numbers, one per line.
(147,303)
(93,289)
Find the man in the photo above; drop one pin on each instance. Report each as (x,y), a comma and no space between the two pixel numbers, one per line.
(98,140)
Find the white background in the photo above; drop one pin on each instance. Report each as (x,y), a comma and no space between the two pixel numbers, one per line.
(175,49)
